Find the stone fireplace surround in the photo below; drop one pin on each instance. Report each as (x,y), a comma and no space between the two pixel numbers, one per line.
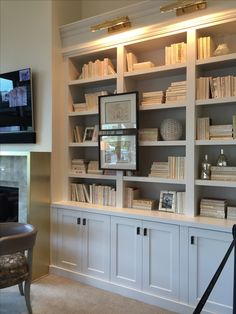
(14,173)
(30,173)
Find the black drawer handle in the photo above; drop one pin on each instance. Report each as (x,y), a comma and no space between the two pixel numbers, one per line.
(138,230)
(192,240)
(78,221)
(84,221)
(145,231)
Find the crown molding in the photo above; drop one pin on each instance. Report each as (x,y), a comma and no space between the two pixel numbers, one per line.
(147,22)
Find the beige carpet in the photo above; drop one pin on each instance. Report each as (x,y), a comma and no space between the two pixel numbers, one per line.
(56,295)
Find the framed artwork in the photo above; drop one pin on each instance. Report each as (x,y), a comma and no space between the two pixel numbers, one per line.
(118,111)
(167,201)
(118,152)
(88,134)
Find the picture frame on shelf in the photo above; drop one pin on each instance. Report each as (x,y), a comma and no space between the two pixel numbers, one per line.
(88,134)
(118,152)
(167,201)
(118,111)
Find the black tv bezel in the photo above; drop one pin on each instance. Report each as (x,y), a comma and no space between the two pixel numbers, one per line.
(21,137)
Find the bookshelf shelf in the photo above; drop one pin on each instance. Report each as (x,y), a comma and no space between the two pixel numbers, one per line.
(163,70)
(220,60)
(93,80)
(82,113)
(216,101)
(215,142)
(153,180)
(162,106)
(84,144)
(215,183)
(162,143)
(92,176)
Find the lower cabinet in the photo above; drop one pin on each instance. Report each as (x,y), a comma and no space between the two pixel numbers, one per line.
(145,256)
(84,242)
(206,250)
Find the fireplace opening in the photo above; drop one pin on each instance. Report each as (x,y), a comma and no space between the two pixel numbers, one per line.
(9,207)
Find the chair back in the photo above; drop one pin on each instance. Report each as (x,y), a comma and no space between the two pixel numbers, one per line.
(16,237)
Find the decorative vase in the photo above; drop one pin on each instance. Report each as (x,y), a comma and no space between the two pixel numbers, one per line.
(171,130)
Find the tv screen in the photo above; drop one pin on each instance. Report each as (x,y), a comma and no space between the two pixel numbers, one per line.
(16,105)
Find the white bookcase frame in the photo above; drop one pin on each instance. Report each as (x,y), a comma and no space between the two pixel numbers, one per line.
(140,40)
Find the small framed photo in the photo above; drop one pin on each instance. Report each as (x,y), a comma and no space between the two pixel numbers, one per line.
(118,111)
(167,201)
(118,152)
(88,134)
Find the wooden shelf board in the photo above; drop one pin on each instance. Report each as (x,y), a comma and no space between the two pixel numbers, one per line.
(84,144)
(93,80)
(162,143)
(82,113)
(224,59)
(215,101)
(215,142)
(162,106)
(92,176)
(229,184)
(153,180)
(151,72)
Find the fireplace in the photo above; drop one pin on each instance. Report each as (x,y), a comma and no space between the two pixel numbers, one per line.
(14,179)
(9,207)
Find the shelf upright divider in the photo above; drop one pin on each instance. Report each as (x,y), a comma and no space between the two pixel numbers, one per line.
(190,123)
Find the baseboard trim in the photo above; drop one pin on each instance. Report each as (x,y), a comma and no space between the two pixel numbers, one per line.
(161,302)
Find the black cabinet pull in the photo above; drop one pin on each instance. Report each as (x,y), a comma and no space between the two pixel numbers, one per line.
(138,230)
(145,231)
(192,239)
(84,221)
(78,221)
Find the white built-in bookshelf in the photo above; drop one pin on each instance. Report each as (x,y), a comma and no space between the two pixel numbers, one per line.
(156,73)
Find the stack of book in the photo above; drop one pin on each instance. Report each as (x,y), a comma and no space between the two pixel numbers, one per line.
(131,60)
(78,132)
(92,99)
(213,208)
(93,193)
(143,65)
(93,167)
(131,193)
(176,92)
(80,193)
(180,205)
(144,203)
(91,102)
(223,173)
(103,195)
(148,134)
(176,167)
(97,68)
(79,166)
(175,53)
(203,126)
(234,126)
(216,87)
(159,169)
(150,98)
(205,47)
(221,132)
(203,88)
(231,212)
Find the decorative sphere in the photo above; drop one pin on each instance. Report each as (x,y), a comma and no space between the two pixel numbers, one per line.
(171,130)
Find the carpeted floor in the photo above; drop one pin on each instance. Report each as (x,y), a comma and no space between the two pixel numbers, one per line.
(56,295)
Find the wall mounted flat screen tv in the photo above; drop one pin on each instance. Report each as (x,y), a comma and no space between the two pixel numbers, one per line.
(16,107)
